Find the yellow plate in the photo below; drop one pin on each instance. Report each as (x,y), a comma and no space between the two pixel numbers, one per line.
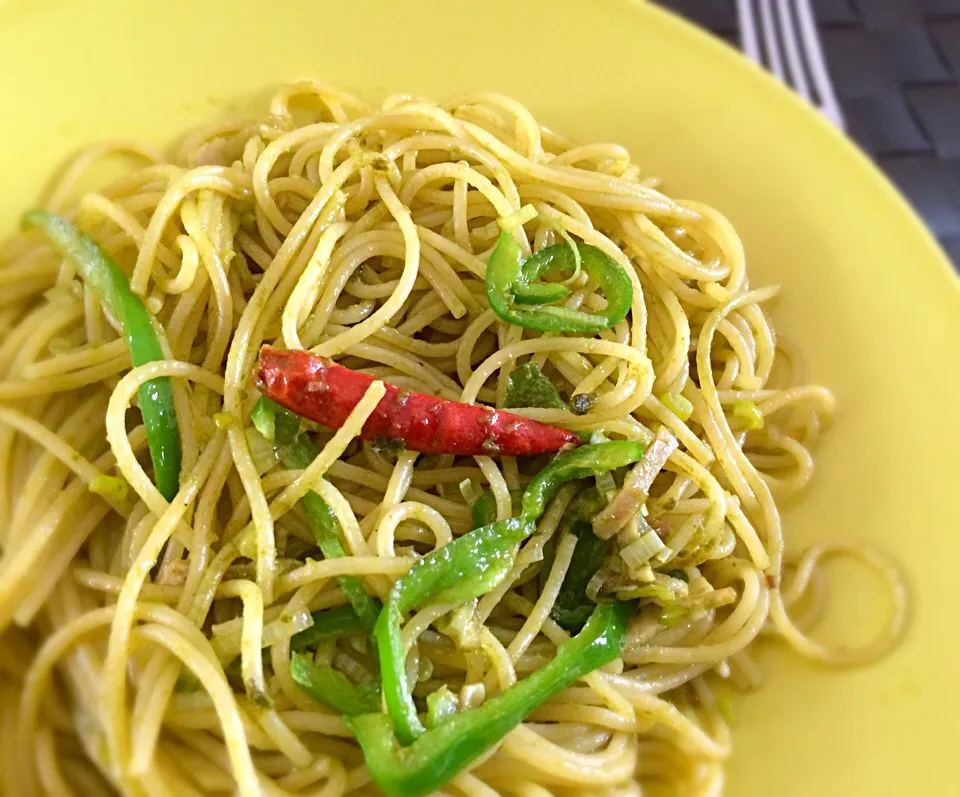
(867,294)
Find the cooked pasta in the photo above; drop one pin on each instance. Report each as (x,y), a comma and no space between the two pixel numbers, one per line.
(170,626)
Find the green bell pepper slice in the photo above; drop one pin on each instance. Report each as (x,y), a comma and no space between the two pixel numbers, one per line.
(572,606)
(581,463)
(100,272)
(334,623)
(297,451)
(440,753)
(466,568)
(517,298)
(332,688)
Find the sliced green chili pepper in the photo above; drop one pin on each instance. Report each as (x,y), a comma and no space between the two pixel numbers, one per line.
(528,386)
(439,754)
(275,423)
(572,606)
(540,293)
(297,452)
(328,624)
(484,509)
(581,463)
(332,688)
(103,275)
(514,296)
(466,568)
(323,523)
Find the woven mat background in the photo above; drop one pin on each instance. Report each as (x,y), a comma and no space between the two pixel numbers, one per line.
(895,66)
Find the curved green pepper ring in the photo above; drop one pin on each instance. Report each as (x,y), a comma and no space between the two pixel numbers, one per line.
(101,273)
(466,568)
(581,463)
(440,753)
(472,565)
(517,298)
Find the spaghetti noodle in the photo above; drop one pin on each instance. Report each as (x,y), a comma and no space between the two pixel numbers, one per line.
(148,643)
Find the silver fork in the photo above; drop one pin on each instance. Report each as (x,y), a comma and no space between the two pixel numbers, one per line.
(782,36)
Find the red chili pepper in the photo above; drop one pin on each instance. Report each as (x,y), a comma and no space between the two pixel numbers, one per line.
(325,392)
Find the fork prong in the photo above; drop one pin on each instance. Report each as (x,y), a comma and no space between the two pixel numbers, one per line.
(794,48)
(819,73)
(782,36)
(771,40)
(749,41)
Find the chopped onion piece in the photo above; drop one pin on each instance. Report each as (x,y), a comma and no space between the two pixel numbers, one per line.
(639,553)
(664,589)
(264,453)
(748,413)
(472,696)
(113,487)
(689,531)
(727,710)
(636,486)
(634,530)
(352,668)
(673,614)
(223,420)
(469,491)
(678,404)
(517,219)
(658,592)
(644,574)
(463,626)
(664,556)
(595,584)
(606,486)
(440,705)
(716,598)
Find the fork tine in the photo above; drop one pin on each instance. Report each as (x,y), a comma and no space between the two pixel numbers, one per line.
(794,48)
(749,42)
(782,36)
(771,40)
(817,64)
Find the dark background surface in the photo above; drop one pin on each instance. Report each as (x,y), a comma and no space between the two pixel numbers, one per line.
(894,65)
